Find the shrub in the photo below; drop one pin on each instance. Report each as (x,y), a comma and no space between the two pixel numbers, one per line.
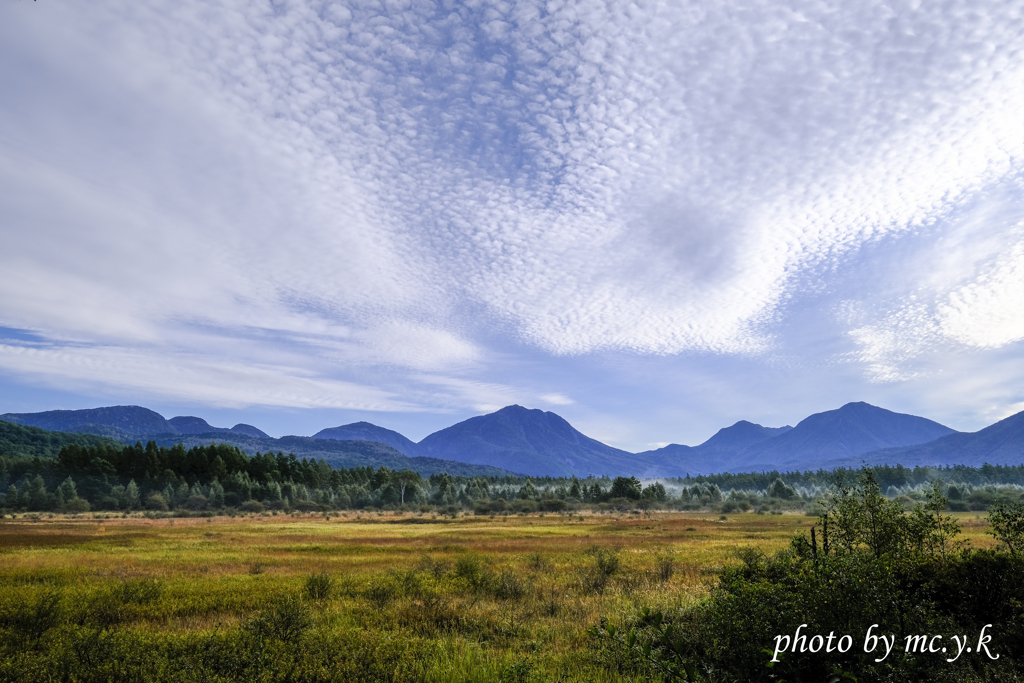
(286,619)
(665,567)
(1007,520)
(196,502)
(436,568)
(509,587)
(29,620)
(383,590)
(470,568)
(595,578)
(607,561)
(318,586)
(867,562)
(309,506)
(156,501)
(536,561)
(553,505)
(524,505)
(252,506)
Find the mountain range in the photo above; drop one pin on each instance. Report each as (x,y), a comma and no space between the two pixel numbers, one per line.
(134,423)
(827,437)
(539,443)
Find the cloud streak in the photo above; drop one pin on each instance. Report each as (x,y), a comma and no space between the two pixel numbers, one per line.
(408,187)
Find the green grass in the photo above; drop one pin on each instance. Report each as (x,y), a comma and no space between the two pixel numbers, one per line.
(353,597)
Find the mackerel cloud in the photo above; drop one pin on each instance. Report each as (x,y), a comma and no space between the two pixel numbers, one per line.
(388,183)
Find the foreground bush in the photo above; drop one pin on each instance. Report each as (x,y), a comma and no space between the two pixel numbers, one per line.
(868,569)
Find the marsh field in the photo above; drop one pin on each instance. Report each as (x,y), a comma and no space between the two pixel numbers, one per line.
(350,597)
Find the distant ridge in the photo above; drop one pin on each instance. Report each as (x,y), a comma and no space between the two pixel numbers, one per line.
(111,421)
(741,435)
(716,452)
(130,423)
(365,431)
(193,425)
(833,436)
(249,430)
(539,443)
(529,441)
(1001,443)
(851,430)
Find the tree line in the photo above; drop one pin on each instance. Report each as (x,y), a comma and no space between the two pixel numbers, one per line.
(886,476)
(106,475)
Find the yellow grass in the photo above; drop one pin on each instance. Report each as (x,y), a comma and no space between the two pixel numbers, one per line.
(218,572)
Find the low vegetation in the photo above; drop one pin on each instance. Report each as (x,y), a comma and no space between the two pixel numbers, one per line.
(353,597)
(868,571)
(387,596)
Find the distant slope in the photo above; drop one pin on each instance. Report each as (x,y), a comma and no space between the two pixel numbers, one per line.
(852,430)
(16,439)
(193,425)
(533,442)
(741,435)
(114,421)
(674,460)
(518,440)
(999,444)
(713,455)
(829,439)
(249,430)
(123,422)
(365,431)
(129,424)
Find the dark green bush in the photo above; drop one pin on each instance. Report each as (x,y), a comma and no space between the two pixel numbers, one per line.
(1008,525)
(867,564)
(27,621)
(318,586)
(286,619)
(510,587)
(595,578)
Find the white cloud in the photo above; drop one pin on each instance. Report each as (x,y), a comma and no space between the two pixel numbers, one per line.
(207,380)
(988,313)
(353,187)
(961,290)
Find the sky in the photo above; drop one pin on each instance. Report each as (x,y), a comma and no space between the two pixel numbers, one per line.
(655,219)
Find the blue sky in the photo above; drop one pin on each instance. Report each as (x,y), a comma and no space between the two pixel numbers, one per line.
(655,219)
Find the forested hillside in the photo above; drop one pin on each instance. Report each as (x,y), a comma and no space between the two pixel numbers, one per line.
(16,439)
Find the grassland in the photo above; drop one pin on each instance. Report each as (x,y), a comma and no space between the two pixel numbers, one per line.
(354,597)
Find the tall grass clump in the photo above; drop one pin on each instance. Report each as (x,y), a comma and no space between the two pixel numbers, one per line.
(318,587)
(595,578)
(285,619)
